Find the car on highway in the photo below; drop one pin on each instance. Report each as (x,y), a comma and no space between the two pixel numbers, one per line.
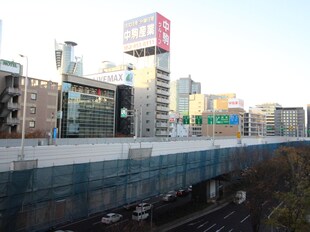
(182,192)
(111,218)
(169,197)
(144,206)
(139,215)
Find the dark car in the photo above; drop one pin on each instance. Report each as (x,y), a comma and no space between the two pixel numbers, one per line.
(182,192)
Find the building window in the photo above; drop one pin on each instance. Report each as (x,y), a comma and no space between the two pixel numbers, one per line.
(147,129)
(32,124)
(44,84)
(32,110)
(33,96)
(147,121)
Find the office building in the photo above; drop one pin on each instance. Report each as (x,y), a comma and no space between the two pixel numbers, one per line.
(184,88)
(224,122)
(41,102)
(197,105)
(254,123)
(290,121)
(269,110)
(147,46)
(87,108)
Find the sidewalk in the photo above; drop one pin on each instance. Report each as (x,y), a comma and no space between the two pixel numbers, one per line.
(193,216)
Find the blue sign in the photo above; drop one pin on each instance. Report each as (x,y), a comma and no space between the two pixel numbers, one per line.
(234,119)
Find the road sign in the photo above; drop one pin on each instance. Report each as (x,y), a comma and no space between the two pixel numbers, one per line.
(123,112)
(222,119)
(234,119)
(198,119)
(185,119)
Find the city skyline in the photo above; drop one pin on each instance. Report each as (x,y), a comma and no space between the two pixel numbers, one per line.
(258,50)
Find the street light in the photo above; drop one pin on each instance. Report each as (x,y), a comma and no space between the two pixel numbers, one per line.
(22,155)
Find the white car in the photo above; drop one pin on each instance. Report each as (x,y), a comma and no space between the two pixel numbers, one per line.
(144,207)
(111,218)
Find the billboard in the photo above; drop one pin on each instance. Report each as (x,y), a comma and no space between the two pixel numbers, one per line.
(147,31)
(10,66)
(234,103)
(124,77)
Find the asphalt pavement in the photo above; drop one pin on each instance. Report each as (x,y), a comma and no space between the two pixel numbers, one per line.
(215,206)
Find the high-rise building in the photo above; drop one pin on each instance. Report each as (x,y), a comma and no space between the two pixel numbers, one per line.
(290,121)
(66,61)
(147,46)
(184,88)
(269,110)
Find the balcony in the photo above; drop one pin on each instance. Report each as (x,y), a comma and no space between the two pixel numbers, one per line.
(162,116)
(163,84)
(162,100)
(161,124)
(162,108)
(13,106)
(162,76)
(161,133)
(12,121)
(162,92)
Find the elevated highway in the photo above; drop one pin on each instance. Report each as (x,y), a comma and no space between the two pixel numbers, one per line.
(74,179)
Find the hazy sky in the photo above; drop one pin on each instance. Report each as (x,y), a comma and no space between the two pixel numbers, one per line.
(258,49)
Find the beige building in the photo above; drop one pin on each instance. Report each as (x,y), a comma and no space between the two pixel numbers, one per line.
(197,105)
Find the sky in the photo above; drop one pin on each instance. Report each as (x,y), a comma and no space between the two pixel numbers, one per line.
(259,50)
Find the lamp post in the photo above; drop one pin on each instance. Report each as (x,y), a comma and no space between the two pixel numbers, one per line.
(22,155)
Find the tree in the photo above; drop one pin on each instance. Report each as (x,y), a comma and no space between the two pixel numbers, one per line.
(291,216)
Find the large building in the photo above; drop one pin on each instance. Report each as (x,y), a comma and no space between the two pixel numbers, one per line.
(290,121)
(66,61)
(41,102)
(184,88)
(147,46)
(269,110)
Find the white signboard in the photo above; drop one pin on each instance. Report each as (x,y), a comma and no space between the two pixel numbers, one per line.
(9,66)
(117,78)
(234,103)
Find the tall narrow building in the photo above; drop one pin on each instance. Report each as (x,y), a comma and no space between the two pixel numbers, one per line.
(66,61)
(185,87)
(147,47)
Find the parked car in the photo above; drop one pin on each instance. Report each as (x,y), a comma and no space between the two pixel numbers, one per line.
(111,218)
(144,206)
(182,192)
(169,197)
(139,215)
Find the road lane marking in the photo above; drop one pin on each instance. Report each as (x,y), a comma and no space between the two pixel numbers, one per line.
(220,229)
(194,223)
(229,214)
(202,225)
(245,218)
(230,230)
(210,228)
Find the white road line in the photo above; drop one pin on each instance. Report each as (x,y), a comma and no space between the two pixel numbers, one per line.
(194,223)
(220,229)
(245,218)
(210,228)
(202,225)
(230,230)
(229,214)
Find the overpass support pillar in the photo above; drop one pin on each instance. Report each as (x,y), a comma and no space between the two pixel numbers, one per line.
(206,191)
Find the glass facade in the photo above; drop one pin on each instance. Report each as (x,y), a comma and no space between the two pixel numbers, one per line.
(87,112)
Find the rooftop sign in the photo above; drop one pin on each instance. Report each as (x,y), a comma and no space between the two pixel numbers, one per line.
(147,31)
